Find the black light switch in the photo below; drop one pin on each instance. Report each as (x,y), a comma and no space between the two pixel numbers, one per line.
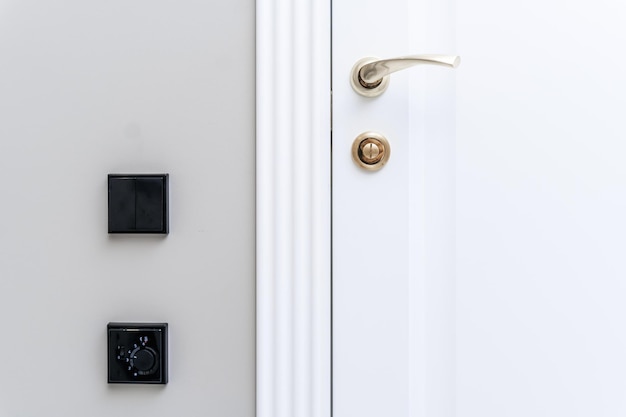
(137,353)
(138,203)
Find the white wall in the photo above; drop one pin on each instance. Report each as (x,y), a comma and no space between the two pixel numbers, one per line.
(89,88)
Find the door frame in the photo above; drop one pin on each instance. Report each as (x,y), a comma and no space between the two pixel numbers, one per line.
(293,212)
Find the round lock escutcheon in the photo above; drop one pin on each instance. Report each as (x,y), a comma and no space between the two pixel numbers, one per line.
(370,150)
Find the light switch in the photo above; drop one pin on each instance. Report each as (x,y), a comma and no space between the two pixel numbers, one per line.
(138,203)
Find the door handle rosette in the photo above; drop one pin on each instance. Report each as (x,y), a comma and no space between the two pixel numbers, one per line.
(370,75)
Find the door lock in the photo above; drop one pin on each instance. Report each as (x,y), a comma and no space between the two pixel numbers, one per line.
(371,151)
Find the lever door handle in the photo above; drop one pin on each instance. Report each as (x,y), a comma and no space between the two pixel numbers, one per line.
(370,76)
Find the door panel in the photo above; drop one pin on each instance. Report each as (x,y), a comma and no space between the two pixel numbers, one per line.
(393,230)
(540,203)
(98,87)
(478,273)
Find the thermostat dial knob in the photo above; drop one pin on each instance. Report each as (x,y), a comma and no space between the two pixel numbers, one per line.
(143,359)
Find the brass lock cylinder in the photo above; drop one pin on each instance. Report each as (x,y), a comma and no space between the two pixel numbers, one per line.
(370,150)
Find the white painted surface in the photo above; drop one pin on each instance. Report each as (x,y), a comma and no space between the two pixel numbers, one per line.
(91,88)
(293,209)
(540,209)
(480,273)
(393,230)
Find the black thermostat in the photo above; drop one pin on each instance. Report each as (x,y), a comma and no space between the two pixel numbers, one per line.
(138,203)
(137,353)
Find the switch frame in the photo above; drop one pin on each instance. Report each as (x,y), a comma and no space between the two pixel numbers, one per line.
(131,331)
(131,203)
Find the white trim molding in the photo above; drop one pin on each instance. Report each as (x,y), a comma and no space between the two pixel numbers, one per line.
(293,208)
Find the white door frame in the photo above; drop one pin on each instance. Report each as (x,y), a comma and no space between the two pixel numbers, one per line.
(293,142)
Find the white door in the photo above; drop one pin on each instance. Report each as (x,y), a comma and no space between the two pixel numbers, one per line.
(89,88)
(480,272)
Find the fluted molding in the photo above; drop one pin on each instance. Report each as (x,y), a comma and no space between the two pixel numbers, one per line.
(293,208)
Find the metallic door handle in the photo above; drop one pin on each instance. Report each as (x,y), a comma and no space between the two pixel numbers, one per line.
(370,76)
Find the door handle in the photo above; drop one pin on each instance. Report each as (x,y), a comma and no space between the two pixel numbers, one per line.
(370,75)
